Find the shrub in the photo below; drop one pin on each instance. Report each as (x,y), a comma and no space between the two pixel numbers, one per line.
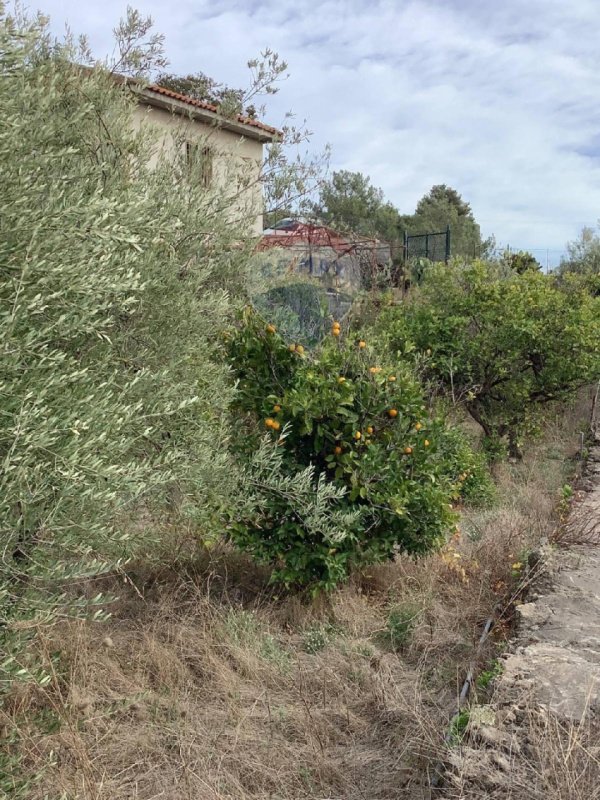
(299,310)
(467,468)
(338,418)
(399,626)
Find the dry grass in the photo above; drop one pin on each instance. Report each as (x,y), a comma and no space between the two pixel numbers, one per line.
(208,685)
(551,760)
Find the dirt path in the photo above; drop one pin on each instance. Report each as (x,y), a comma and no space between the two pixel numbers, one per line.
(540,735)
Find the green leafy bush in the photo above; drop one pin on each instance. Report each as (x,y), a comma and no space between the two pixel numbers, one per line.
(468,468)
(399,626)
(503,345)
(338,418)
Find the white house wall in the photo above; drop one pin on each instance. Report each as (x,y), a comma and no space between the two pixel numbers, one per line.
(233,157)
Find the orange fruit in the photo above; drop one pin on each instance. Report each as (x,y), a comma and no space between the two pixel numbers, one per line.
(357,435)
(299,349)
(392,413)
(374,370)
(362,344)
(271,328)
(418,426)
(392,378)
(426,442)
(335,331)
(269,423)
(341,379)
(408,450)
(292,348)
(276,425)
(370,430)
(335,324)
(277,409)
(337,450)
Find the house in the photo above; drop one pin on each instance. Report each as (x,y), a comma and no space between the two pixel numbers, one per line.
(343,262)
(230,148)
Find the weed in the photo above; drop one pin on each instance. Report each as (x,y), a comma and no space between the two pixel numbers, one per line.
(399,626)
(486,676)
(458,726)
(244,629)
(317,637)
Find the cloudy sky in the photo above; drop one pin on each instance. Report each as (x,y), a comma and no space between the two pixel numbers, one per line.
(501,100)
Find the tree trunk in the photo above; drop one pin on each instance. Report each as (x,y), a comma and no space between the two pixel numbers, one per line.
(514,450)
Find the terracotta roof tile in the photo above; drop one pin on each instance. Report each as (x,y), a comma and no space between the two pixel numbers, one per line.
(190,101)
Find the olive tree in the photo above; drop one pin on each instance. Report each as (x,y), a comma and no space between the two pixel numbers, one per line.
(118,270)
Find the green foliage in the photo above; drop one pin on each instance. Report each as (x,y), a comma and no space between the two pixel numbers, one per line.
(317,637)
(488,675)
(399,626)
(459,725)
(349,202)
(118,269)
(583,254)
(468,468)
(352,440)
(201,87)
(504,346)
(298,310)
(244,629)
(521,262)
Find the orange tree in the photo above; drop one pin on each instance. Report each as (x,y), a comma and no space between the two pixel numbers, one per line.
(504,345)
(355,423)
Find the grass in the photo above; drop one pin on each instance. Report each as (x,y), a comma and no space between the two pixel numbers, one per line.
(206,683)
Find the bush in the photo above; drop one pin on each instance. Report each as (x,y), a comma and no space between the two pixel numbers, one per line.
(467,468)
(338,418)
(400,623)
(299,310)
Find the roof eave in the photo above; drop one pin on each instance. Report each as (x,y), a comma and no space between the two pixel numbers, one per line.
(204,115)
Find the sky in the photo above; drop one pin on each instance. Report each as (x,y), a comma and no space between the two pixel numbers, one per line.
(500,100)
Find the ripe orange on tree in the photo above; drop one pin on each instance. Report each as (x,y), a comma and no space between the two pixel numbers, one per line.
(393,413)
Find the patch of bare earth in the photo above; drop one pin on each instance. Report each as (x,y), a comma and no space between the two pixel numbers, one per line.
(208,683)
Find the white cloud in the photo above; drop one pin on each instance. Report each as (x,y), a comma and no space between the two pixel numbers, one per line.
(499,100)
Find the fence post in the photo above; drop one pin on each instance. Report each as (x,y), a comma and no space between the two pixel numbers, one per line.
(427,245)
(447,243)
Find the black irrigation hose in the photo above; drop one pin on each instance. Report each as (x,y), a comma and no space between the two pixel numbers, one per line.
(438,770)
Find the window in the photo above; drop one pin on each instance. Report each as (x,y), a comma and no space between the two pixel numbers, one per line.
(200,159)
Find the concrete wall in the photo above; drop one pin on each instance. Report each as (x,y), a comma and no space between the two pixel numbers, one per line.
(236,161)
